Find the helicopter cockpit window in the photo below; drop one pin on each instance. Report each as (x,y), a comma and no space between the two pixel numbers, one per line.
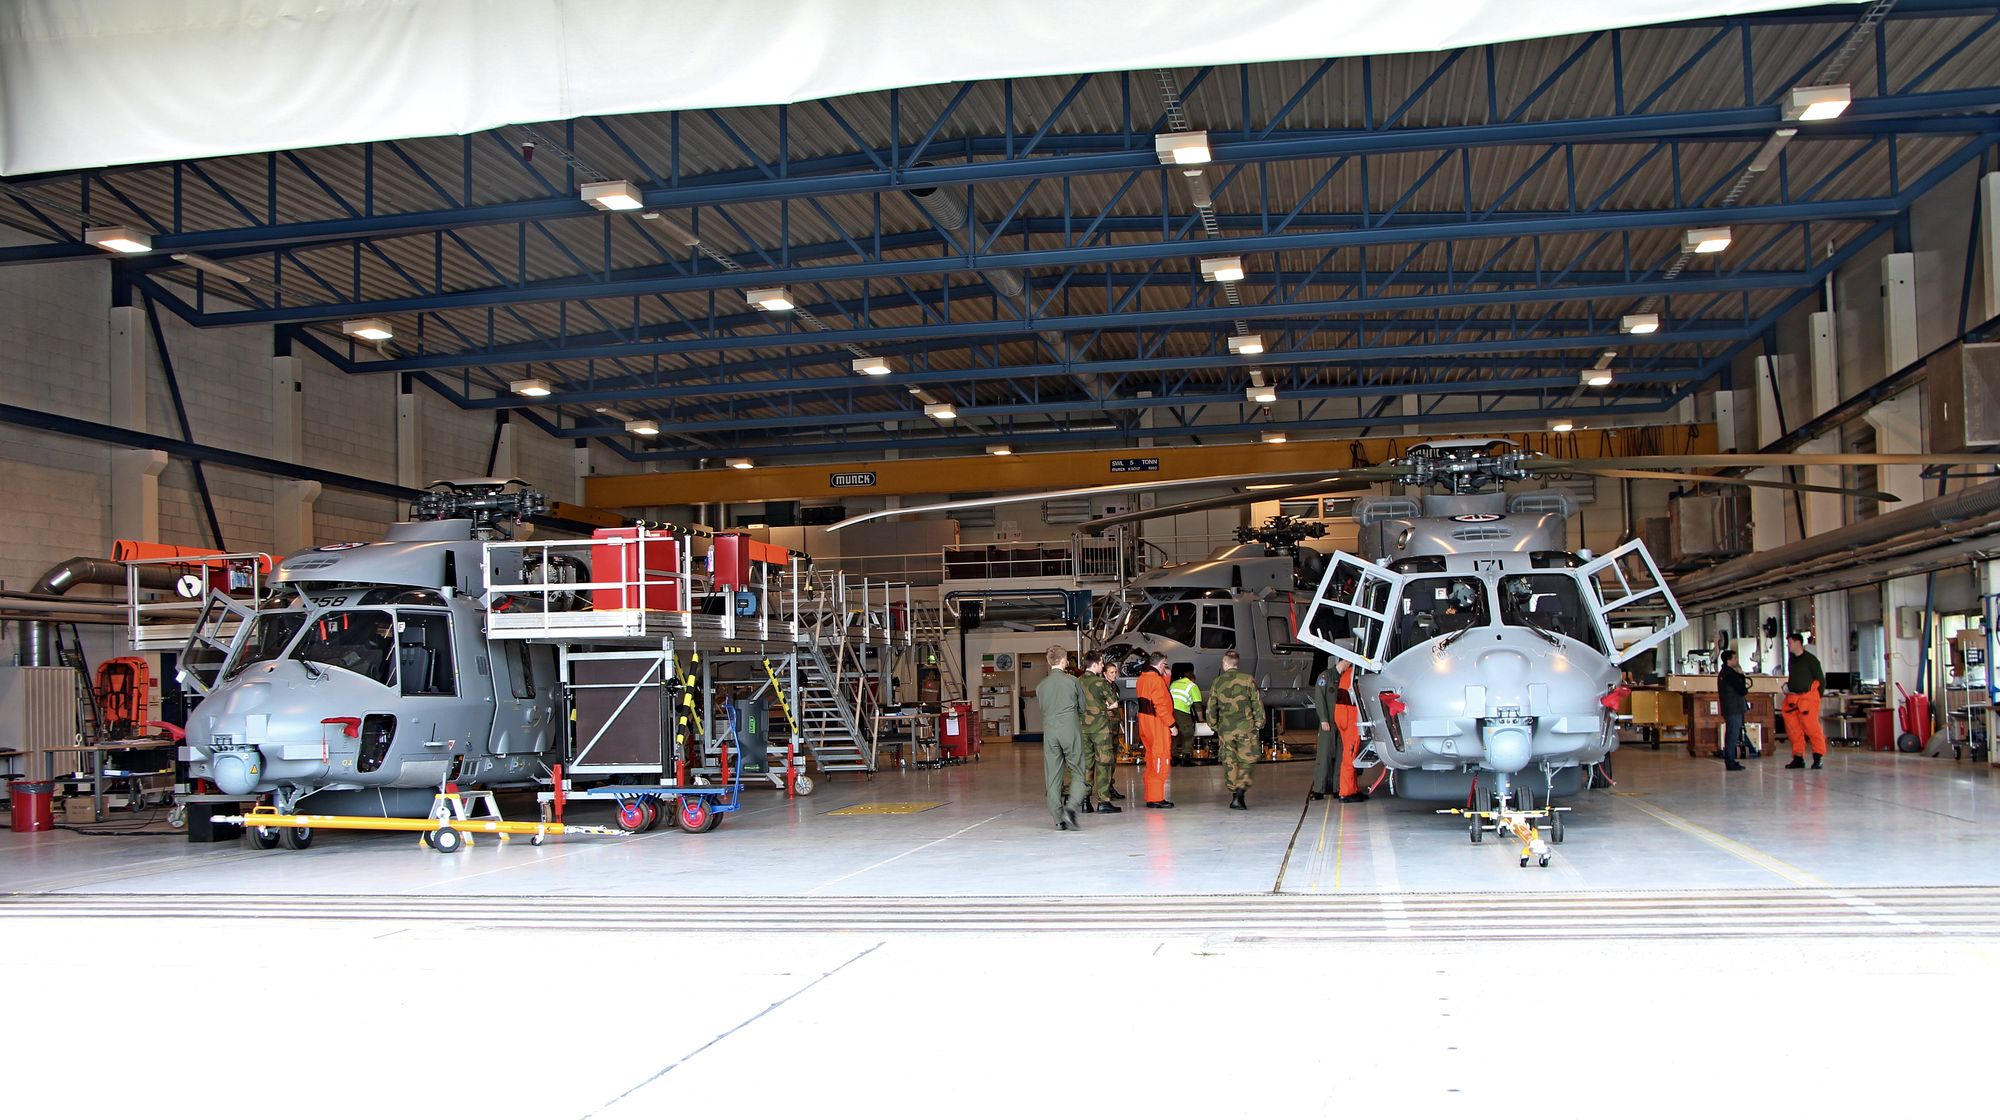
(424,654)
(1218,626)
(286,599)
(1551,603)
(1433,608)
(1173,621)
(362,642)
(270,633)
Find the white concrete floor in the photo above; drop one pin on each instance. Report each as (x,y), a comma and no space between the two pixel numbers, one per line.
(1672,823)
(1771,939)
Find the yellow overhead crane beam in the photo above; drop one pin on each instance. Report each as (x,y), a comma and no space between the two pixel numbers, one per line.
(1062,469)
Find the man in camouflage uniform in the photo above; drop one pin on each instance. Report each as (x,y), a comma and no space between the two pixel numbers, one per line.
(1100,738)
(1236,709)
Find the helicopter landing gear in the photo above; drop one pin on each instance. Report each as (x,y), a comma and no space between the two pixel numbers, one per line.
(295,839)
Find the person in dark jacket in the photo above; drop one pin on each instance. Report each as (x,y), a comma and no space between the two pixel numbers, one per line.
(1734,689)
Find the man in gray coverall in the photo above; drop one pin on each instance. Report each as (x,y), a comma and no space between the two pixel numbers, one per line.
(1061,698)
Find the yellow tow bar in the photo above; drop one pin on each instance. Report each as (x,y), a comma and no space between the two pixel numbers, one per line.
(444,833)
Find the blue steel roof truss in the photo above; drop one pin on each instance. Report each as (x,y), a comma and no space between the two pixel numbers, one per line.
(1475,237)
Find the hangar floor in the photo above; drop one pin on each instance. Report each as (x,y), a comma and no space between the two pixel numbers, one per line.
(1672,823)
(1748,929)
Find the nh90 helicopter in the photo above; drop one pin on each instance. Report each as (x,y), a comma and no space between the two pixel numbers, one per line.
(1488,655)
(365,679)
(1244,597)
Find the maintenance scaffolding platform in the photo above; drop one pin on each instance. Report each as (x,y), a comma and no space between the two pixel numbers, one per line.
(687,658)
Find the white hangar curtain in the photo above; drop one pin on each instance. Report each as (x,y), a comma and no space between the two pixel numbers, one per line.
(89,83)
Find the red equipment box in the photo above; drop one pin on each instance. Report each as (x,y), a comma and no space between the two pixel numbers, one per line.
(958,731)
(621,557)
(733,556)
(1882,729)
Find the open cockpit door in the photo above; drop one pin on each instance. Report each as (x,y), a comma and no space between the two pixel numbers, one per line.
(1350,613)
(1625,590)
(223,624)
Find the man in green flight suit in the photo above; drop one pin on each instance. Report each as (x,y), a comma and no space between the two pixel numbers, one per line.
(1100,736)
(1236,708)
(1326,757)
(1061,698)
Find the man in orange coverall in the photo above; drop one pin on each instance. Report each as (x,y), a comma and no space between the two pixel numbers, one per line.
(1156,729)
(1347,720)
(1801,711)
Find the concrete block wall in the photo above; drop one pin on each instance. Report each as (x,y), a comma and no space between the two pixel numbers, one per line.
(54,351)
(55,355)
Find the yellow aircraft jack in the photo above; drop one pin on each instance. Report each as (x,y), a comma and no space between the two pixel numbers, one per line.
(450,826)
(1524,825)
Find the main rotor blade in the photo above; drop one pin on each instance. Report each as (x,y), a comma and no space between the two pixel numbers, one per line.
(1727,480)
(1077,492)
(1347,481)
(1755,459)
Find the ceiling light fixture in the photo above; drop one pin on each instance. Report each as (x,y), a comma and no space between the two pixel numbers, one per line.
(642,427)
(769,299)
(941,411)
(742,464)
(530,387)
(1639,324)
(1768,154)
(1185,149)
(1272,437)
(1711,240)
(216,268)
(613,194)
(1817,103)
(872,366)
(1597,378)
(1222,270)
(1246,344)
(999,449)
(1261,394)
(374,330)
(118,239)
(1561,426)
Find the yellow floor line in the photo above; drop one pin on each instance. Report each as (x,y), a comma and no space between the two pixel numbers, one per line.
(1741,851)
(1339,843)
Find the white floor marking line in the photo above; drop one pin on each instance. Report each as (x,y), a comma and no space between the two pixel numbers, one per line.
(1741,851)
(725,1034)
(911,852)
(1877,910)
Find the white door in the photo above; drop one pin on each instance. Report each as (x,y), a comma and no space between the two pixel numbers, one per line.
(1350,613)
(1625,590)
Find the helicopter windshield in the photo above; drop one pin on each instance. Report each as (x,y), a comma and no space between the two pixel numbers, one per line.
(270,633)
(1433,608)
(1547,601)
(1173,621)
(362,642)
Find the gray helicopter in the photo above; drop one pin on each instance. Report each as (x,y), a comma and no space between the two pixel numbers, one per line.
(1245,597)
(365,679)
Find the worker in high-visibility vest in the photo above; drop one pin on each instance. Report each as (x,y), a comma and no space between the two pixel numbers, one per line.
(1187,696)
(1156,729)
(1801,710)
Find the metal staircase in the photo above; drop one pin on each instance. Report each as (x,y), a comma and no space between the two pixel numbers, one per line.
(828,724)
(89,717)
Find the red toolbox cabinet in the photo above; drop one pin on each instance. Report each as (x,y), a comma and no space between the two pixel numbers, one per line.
(958,732)
(619,556)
